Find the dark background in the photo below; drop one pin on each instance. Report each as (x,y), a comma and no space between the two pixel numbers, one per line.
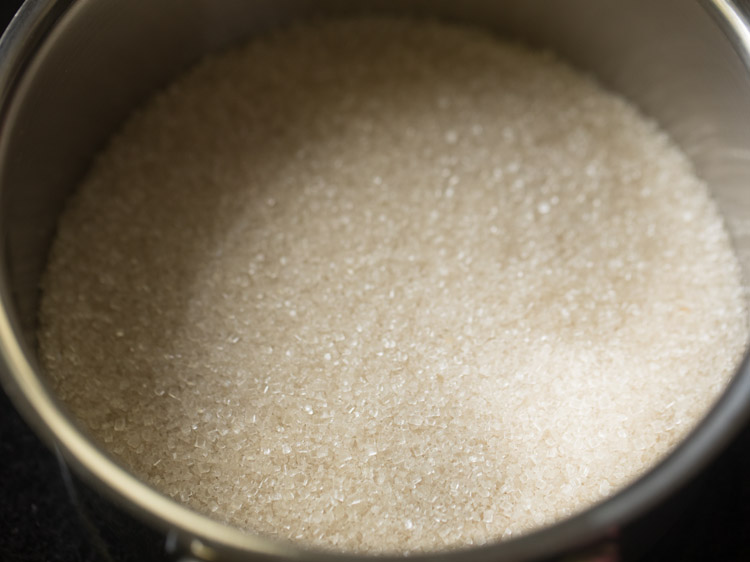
(38,522)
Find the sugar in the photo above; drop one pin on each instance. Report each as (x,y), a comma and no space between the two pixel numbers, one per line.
(390,286)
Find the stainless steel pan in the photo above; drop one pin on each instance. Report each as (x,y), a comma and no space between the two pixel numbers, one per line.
(70,71)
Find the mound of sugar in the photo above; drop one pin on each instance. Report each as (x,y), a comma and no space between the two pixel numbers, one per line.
(382,285)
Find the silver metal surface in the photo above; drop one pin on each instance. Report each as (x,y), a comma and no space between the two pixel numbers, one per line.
(71,71)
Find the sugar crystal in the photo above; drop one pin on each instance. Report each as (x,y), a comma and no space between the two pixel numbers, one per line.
(382,285)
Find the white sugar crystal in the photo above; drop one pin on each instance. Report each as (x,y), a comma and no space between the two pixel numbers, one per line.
(380,285)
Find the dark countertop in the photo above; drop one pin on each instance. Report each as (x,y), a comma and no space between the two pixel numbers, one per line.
(38,522)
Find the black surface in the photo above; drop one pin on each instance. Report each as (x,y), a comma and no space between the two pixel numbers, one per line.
(38,522)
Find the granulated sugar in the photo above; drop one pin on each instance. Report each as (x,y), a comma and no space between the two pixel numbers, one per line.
(381,285)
